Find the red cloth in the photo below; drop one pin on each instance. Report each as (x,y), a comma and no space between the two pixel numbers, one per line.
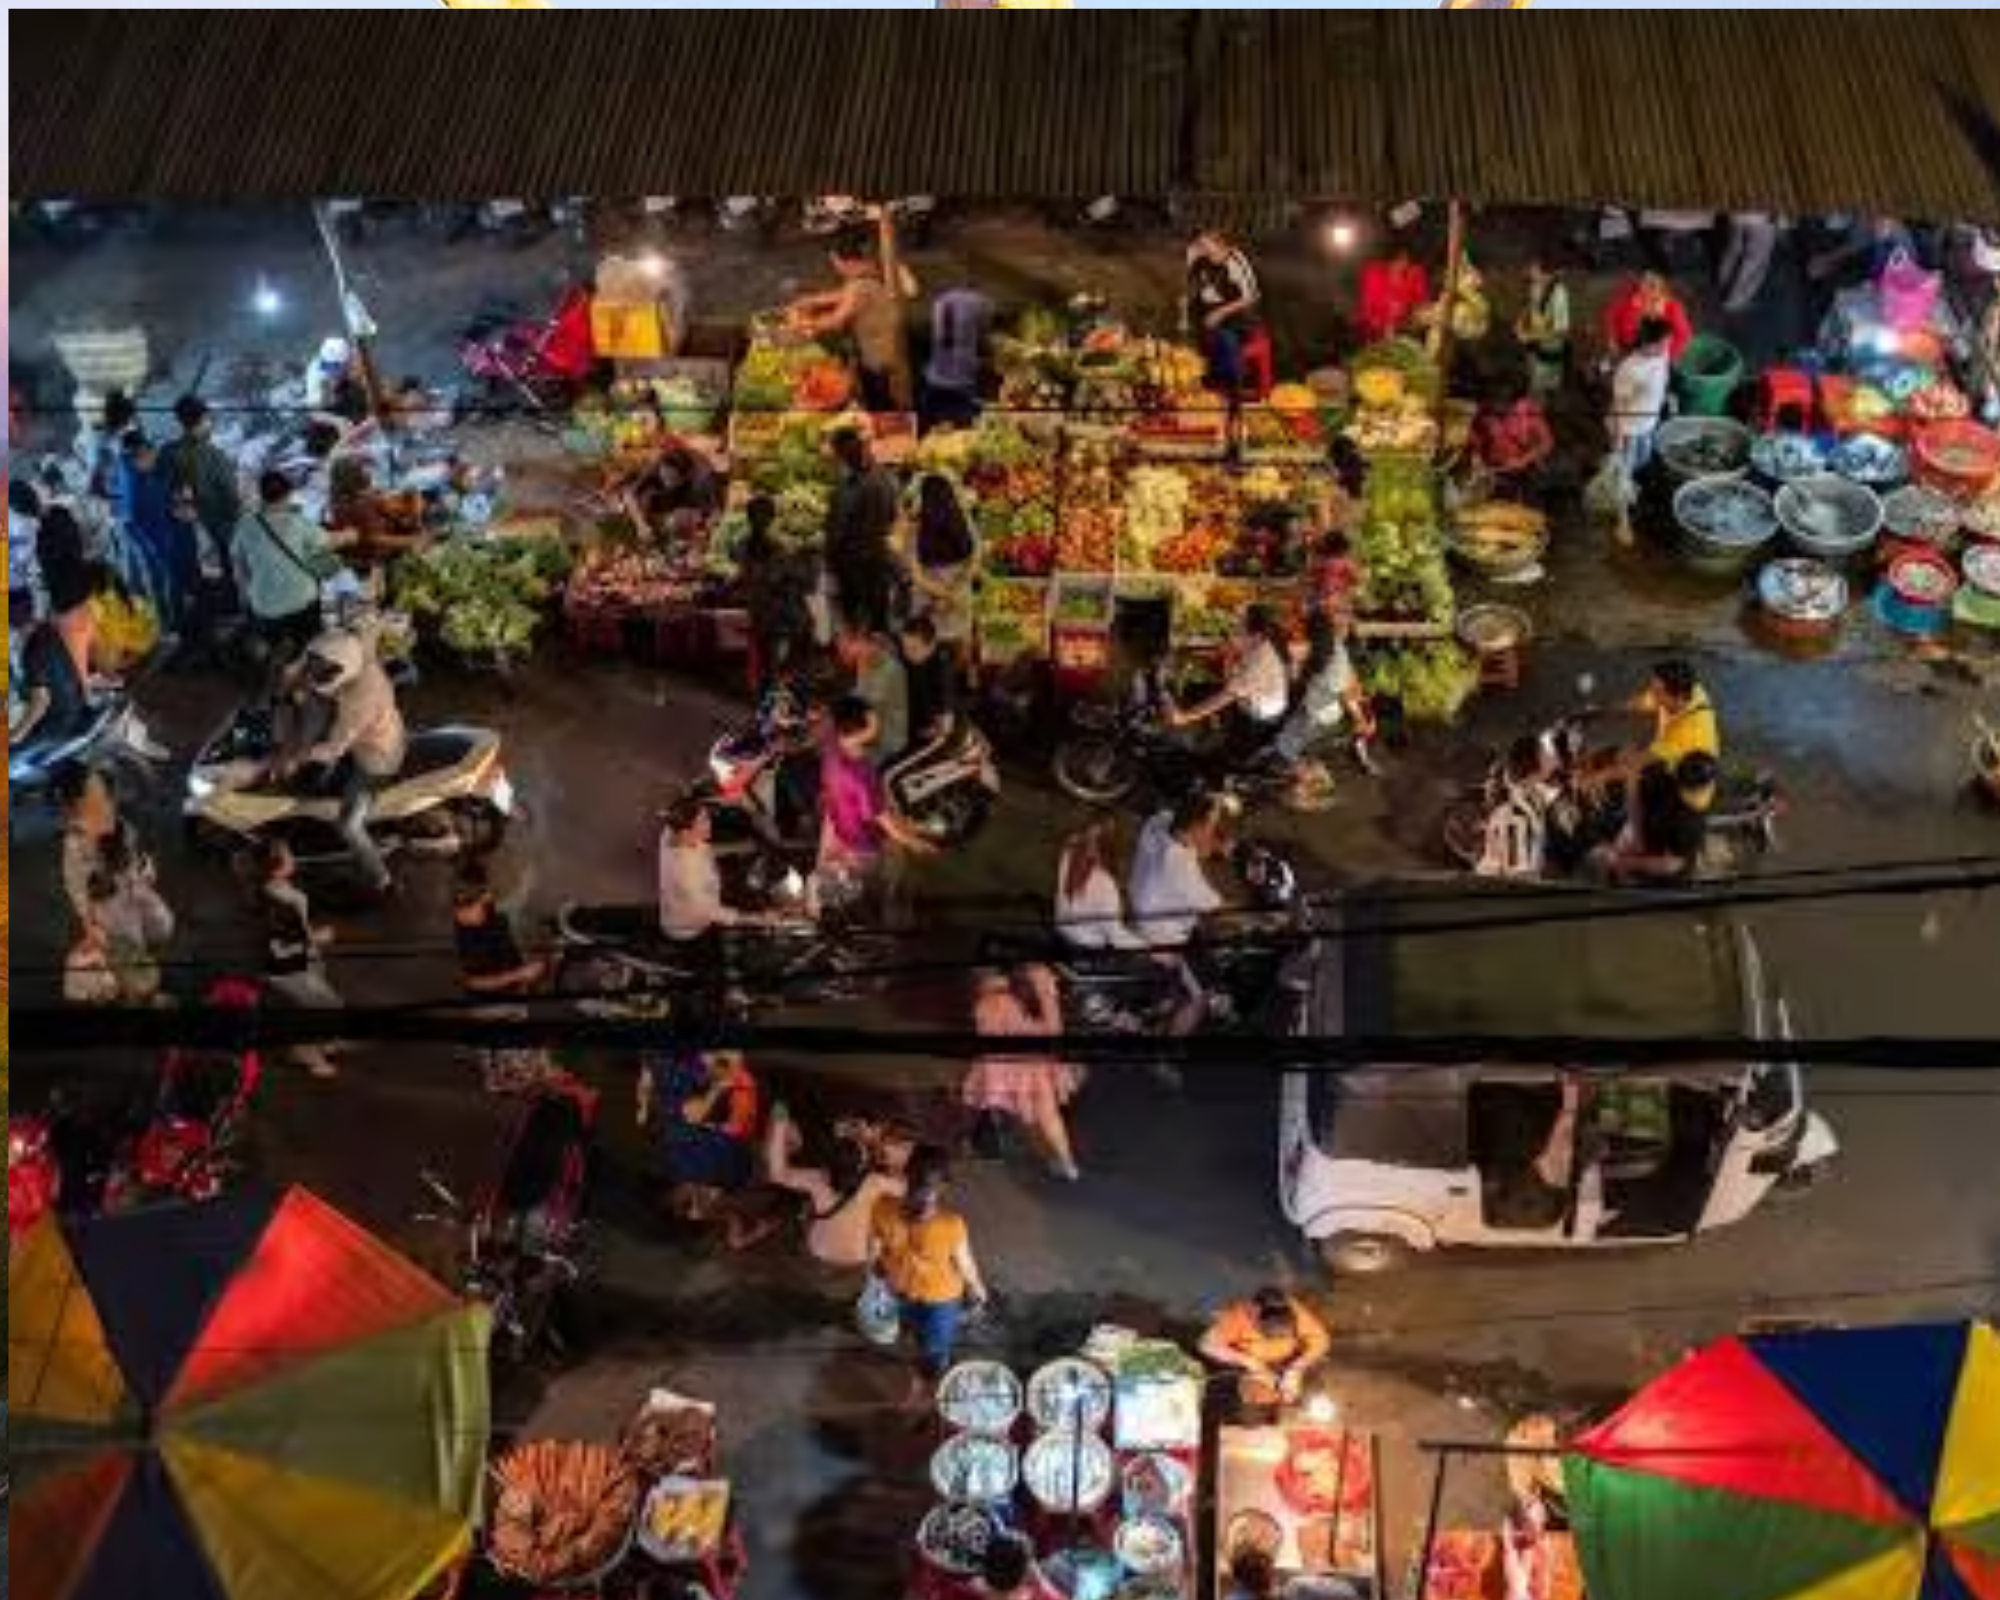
(571,350)
(1391,293)
(1622,319)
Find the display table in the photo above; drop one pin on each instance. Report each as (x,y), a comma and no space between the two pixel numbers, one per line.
(1466,1564)
(1250,1495)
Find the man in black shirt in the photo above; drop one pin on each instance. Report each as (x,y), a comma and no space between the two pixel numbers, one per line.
(860,526)
(489,956)
(1662,843)
(54,705)
(930,671)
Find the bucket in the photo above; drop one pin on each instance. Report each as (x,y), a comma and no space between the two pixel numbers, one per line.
(1915,594)
(1709,372)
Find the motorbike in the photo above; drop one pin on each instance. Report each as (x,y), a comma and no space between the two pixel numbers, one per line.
(742,787)
(1741,825)
(949,795)
(524,1237)
(542,365)
(1118,751)
(114,735)
(615,960)
(114,1155)
(451,798)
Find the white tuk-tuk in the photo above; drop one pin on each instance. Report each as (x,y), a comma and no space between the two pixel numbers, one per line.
(1378,1163)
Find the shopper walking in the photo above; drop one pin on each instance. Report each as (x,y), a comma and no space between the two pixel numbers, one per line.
(777,587)
(281,558)
(1031,1089)
(208,502)
(294,963)
(920,1256)
(143,497)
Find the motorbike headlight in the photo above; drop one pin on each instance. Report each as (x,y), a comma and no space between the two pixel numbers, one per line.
(200,786)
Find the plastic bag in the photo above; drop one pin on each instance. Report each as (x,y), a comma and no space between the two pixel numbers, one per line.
(877,1314)
(1609,495)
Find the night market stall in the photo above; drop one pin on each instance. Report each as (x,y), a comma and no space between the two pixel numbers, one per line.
(1095,1460)
(245,1399)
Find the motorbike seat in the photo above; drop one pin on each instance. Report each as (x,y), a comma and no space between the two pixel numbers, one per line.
(435,751)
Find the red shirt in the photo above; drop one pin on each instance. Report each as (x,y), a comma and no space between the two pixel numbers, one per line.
(1391,293)
(1628,311)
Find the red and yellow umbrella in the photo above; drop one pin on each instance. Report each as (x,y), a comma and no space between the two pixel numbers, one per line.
(249,1399)
(1837,1465)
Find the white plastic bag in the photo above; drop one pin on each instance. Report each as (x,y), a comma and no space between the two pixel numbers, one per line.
(877,1314)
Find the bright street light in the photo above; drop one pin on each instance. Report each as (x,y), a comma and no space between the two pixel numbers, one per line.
(267,301)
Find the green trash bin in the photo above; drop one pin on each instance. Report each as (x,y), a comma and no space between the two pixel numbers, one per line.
(1709,372)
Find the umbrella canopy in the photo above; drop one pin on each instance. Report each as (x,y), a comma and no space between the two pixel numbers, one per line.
(248,1399)
(1839,1465)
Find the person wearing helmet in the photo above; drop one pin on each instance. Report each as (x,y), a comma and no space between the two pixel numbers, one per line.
(365,744)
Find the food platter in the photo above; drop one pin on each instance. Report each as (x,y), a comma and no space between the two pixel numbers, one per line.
(1914,512)
(1253,1530)
(1493,629)
(1326,1470)
(683,1520)
(1869,459)
(954,1537)
(975,1467)
(1068,1471)
(1070,1393)
(1155,1484)
(1704,447)
(562,1515)
(980,1397)
(1149,1547)
(1726,512)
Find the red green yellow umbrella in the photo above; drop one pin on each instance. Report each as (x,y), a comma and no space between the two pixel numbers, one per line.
(248,1399)
(1855,1464)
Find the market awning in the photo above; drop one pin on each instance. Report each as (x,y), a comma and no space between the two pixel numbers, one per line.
(1834,111)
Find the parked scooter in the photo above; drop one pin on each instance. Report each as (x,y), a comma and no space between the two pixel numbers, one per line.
(539,365)
(524,1238)
(452,796)
(949,795)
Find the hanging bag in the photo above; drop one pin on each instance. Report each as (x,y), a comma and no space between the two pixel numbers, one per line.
(1908,293)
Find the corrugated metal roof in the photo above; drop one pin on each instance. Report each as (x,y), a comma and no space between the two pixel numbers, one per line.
(1796,111)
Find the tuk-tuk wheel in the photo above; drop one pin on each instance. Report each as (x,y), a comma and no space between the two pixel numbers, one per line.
(1357,1255)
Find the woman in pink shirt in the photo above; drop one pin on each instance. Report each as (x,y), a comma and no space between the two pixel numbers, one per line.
(856,820)
(1031,1089)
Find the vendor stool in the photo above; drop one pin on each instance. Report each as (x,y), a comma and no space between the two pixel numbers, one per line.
(1785,401)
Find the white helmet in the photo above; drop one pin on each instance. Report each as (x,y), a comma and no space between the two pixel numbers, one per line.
(334,660)
(334,354)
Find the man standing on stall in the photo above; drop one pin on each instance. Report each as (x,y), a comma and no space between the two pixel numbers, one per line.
(1223,298)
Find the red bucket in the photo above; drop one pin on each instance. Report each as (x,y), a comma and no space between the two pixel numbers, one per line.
(1958,458)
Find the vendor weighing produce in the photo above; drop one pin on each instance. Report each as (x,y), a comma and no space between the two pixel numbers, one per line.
(1274,1339)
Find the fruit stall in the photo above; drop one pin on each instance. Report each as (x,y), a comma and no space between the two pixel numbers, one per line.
(1095,1460)
(1304,1494)
(576,1516)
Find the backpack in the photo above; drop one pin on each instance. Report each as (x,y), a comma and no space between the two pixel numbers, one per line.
(1516,838)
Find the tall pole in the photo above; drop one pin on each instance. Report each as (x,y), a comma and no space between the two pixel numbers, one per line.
(360,326)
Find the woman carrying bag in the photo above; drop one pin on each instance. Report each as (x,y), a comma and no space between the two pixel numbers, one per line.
(920,1258)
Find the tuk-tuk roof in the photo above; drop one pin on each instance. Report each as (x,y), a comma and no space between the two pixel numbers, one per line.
(1458,959)
(1677,973)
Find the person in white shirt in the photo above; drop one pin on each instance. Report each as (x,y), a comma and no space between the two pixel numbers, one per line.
(1170,891)
(1090,911)
(1090,922)
(1639,389)
(691,903)
(1258,688)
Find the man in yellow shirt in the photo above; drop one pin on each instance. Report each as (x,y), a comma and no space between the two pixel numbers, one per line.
(1684,724)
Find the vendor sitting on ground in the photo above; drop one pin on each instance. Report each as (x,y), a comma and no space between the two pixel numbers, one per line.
(1274,1339)
(703,1108)
(490,959)
(1684,724)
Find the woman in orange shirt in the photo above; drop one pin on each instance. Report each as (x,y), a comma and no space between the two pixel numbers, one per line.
(923,1253)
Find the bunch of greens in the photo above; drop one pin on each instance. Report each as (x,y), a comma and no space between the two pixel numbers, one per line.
(488,597)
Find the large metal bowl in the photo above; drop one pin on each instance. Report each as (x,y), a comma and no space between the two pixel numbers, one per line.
(1829,518)
(1703,447)
(1724,523)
